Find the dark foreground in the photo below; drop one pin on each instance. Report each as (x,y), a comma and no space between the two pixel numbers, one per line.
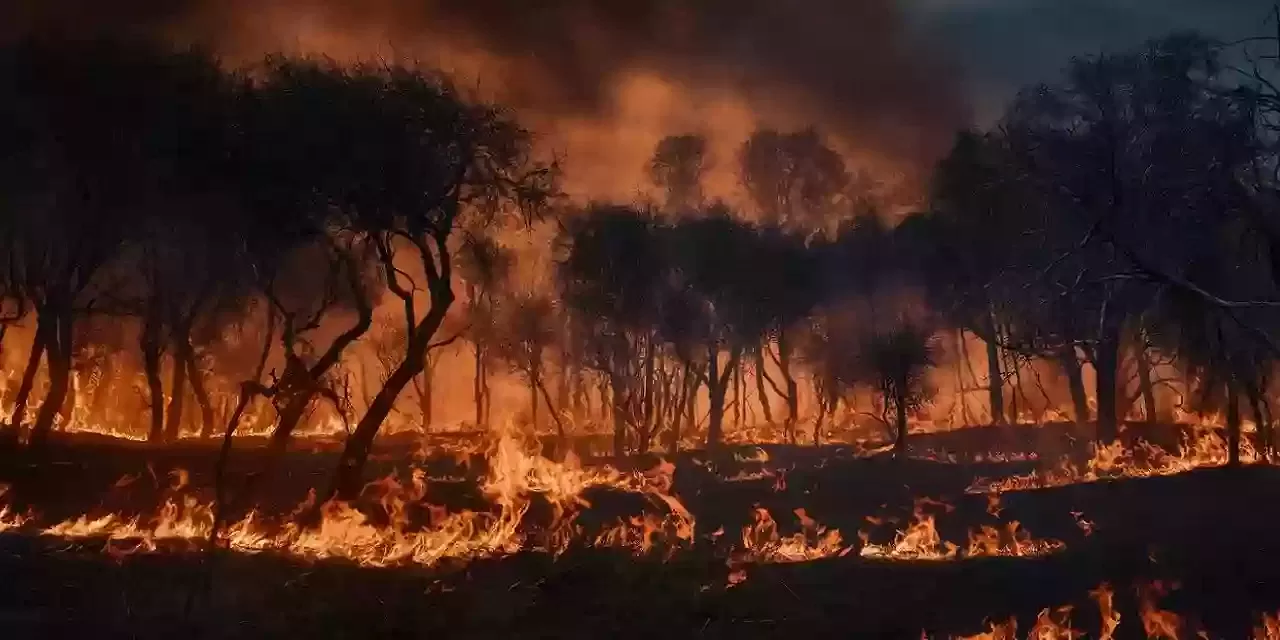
(1213,532)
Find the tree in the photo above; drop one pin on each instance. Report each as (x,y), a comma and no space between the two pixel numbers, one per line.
(896,363)
(678,166)
(613,274)
(1131,157)
(714,262)
(793,178)
(483,266)
(530,333)
(95,142)
(427,159)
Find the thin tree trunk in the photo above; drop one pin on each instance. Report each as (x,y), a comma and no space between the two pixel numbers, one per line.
(178,392)
(789,379)
(426,398)
(995,381)
(348,477)
(1075,382)
(717,391)
(737,396)
(200,391)
(38,348)
(761,394)
(1145,387)
(59,379)
(1106,364)
(618,396)
(533,400)
(151,355)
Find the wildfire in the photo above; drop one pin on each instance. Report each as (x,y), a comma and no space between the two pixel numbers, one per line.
(921,540)
(1204,446)
(344,532)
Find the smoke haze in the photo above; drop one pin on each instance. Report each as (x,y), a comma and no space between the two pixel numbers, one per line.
(602,81)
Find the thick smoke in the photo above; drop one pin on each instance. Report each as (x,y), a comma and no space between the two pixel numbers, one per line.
(601,79)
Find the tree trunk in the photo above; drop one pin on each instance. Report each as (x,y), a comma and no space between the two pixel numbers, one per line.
(737,396)
(761,394)
(426,400)
(1145,387)
(151,369)
(789,379)
(995,381)
(59,379)
(900,415)
(717,391)
(348,477)
(479,387)
(1106,365)
(38,348)
(1233,423)
(178,392)
(533,401)
(201,393)
(1075,382)
(688,388)
(618,395)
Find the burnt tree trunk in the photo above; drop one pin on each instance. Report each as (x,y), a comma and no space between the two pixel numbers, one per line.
(178,393)
(151,355)
(761,394)
(618,396)
(1106,364)
(789,379)
(480,387)
(533,399)
(900,418)
(1145,387)
(39,346)
(350,472)
(426,398)
(1075,383)
(995,381)
(201,393)
(59,358)
(717,391)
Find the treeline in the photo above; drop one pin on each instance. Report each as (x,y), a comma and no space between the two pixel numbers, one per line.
(161,186)
(1122,216)
(1122,219)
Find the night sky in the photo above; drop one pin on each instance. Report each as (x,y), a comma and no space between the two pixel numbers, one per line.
(1004,44)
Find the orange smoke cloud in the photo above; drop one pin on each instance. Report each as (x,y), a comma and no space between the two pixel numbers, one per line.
(602,81)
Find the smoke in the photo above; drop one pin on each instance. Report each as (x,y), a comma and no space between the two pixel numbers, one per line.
(602,81)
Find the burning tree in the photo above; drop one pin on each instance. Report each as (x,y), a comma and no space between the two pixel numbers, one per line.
(896,362)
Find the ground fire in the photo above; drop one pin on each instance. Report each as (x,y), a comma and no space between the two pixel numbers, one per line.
(572,319)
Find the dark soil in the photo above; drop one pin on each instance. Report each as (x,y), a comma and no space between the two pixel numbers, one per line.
(1211,531)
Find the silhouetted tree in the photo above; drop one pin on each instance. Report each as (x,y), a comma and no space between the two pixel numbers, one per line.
(427,159)
(678,166)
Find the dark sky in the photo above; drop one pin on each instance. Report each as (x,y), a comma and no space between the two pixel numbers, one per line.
(1003,44)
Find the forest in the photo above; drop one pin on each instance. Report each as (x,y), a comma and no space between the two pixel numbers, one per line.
(324,348)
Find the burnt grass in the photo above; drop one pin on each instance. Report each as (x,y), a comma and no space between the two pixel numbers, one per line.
(1213,532)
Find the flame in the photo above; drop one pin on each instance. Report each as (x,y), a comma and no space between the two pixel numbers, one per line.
(346,533)
(1157,622)
(1104,596)
(1203,446)
(762,543)
(921,540)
